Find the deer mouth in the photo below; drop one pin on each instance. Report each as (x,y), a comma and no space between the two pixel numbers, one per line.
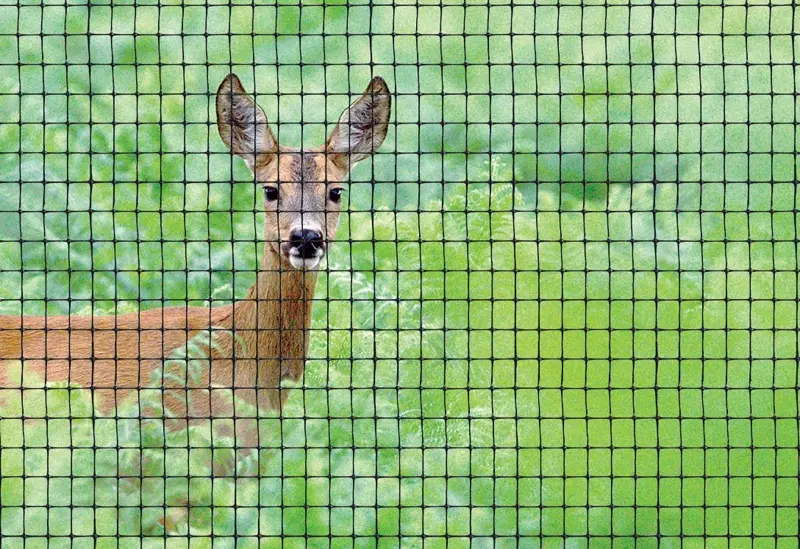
(304,264)
(303,260)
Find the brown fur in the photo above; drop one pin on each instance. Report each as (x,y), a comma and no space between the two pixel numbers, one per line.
(117,356)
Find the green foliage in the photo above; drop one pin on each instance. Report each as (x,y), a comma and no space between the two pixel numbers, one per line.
(563,309)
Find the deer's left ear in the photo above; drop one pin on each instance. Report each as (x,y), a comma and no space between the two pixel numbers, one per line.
(362,127)
(242,124)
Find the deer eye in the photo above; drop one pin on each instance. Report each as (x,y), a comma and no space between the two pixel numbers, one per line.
(335,195)
(271,193)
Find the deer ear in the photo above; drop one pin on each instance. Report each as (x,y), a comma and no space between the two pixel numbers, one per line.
(242,124)
(362,127)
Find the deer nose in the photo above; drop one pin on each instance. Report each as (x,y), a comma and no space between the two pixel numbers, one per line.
(306,242)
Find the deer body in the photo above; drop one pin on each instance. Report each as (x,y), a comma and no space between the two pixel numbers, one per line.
(118,355)
(251,346)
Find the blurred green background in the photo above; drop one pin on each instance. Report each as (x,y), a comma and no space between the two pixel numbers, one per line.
(561,311)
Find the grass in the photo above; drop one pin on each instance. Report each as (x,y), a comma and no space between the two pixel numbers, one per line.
(562,317)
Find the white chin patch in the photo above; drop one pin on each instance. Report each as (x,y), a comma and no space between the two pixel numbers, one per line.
(305,264)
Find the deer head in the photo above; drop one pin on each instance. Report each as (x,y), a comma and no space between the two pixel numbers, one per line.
(302,189)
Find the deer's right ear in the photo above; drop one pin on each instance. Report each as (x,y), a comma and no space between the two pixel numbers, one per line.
(362,127)
(242,124)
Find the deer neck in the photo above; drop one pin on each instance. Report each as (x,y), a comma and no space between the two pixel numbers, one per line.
(273,320)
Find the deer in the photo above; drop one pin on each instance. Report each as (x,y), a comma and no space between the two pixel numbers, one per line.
(256,344)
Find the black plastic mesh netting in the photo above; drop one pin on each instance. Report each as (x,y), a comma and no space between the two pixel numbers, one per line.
(560,308)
